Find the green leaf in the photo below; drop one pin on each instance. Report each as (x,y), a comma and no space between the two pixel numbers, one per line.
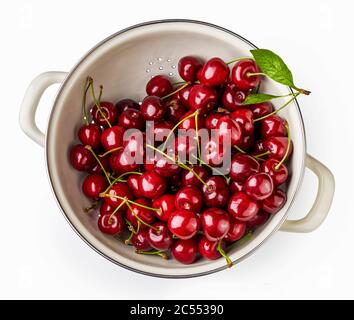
(254,98)
(273,66)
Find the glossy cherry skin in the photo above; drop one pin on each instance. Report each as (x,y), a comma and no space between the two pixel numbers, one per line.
(215,223)
(112,138)
(213,152)
(106,208)
(259,186)
(131,118)
(212,119)
(152,185)
(189,198)
(159,236)
(236,186)
(184,224)
(111,224)
(93,185)
(90,135)
(261,109)
(159,86)
(152,108)
(185,251)
(216,192)
(236,231)
(81,158)
(202,98)
(190,123)
(96,169)
(239,75)
(165,167)
(159,130)
(174,110)
(280,175)
(228,128)
(110,112)
(273,126)
(183,95)
(209,249)
(140,240)
(188,67)
(133,183)
(242,207)
(274,202)
(118,189)
(120,162)
(277,147)
(259,219)
(125,104)
(243,166)
(214,73)
(135,212)
(244,117)
(190,179)
(166,204)
(259,147)
(233,97)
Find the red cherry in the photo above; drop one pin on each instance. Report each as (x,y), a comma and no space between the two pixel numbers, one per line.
(152,108)
(215,223)
(134,145)
(236,231)
(165,167)
(242,166)
(93,185)
(159,130)
(215,192)
(151,185)
(131,118)
(189,178)
(133,183)
(185,147)
(190,123)
(280,175)
(242,207)
(239,75)
(185,251)
(259,219)
(96,169)
(111,224)
(174,110)
(274,202)
(159,86)
(110,112)
(112,138)
(184,224)
(188,67)
(244,117)
(81,158)
(125,104)
(209,249)
(233,97)
(261,109)
(202,98)
(106,208)
(189,198)
(259,147)
(183,95)
(247,142)
(212,119)
(166,204)
(90,135)
(136,212)
(213,152)
(140,240)
(214,72)
(119,189)
(159,236)
(121,161)
(273,126)
(228,128)
(259,186)
(277,147)
(236,186)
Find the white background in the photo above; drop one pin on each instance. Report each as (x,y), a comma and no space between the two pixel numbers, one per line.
(41,257)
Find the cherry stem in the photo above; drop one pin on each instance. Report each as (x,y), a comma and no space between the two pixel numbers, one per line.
(258,156)
(84,113)
(109,151)
(97,102)
(160,253)
(100,94)
(132,231)
(223,253)
(212,168)
(92,206)
(239,149)
(253,74)
(196,133)
(141,220)
(287,149)
(239,59)
(116,209)
(175,91)
(88,147)
(118,179)
(282,107)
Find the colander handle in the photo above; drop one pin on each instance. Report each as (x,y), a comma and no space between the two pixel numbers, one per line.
(320,208)
(31,100)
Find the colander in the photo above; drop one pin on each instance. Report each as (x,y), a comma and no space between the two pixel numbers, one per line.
(123,63)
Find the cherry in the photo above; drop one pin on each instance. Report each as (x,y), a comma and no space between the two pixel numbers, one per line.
(166,204)
(133,183)
(184,224)
(212,119)
(236,231)
(261,109)
(215,223)
(190,122)
(119,189)
(242,207)
(120,162)
(236,186)
(242,166)
(240,77)
(125,104)
(233,97)
(174,110)
(277,147)
(165,167)
(152,185)
(215,192)
(188,67)
(93,185)
(111,224)
(214,72)
(81,158)
(259,219)
(110,112)
(189,177)
(279,175)
(183,95)
(112,138)
(96,169)
(213,152)
(106,208)
(259,186)
(185,251)
(159,236)
(227,127)
(90,134)
(185,147)
(202,98)
(274,202)
(140,240)
(273,126)
(209,249)
(244,117)
(160,130)
(152,108)
(136,213)
(259,147)
(133,145)
(189,198)
(159,86)
(131,118)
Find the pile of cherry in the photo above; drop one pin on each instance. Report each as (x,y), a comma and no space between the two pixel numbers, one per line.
(182,208)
